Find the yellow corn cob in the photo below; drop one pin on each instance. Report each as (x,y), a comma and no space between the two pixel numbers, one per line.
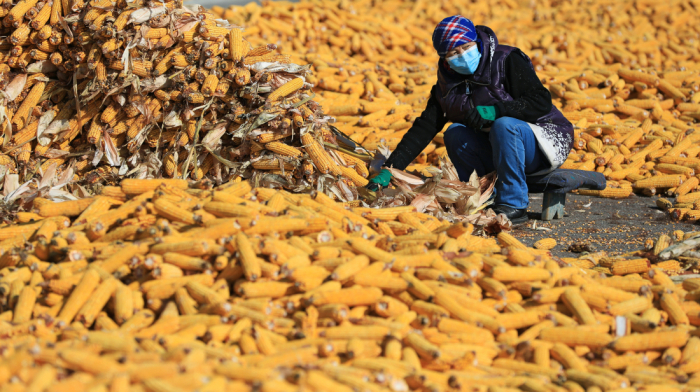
(17,12)
(238,48)
(286,89)
(262,50)
(356,178)
(631,266)
(267,58)
(242,77)
(316,153)
(283,149)
(614,193)
(670,181)
(662,243)
(545,244)
(508,240)
(22,114)
(209,85)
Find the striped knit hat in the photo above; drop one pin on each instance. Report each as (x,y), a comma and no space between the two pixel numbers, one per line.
(452,32)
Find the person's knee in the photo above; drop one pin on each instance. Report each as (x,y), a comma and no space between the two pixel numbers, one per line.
(503,127)
(453,136)
(454,130)
(504,124)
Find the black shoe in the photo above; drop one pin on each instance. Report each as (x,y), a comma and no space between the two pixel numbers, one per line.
(516,216)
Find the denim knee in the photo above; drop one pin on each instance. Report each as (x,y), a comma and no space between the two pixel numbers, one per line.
(503,127)
(453,136)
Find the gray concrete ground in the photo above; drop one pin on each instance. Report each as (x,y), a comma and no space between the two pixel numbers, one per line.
(617,226)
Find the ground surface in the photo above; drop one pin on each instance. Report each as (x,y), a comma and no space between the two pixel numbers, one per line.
(617,226)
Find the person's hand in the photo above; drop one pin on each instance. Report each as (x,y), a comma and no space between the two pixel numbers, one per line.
(481,117)
(380,180)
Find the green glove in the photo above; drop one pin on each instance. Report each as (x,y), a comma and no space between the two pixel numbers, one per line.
(487,112)
(383,179)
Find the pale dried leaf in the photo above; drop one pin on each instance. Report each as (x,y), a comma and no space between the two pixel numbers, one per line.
(110,150)
(213,137)
(18,191)
(99,153)
(55,153)
(421,202)
(59,195)
(183,26)
(278,67)
(48,177)
(44,122)
(347,191)
(42,66)
(15,87)
(11,184)
(448,195)
(173,120)
(56,127)
(409,179)
(3,171)
(145,14)
(65,26)
(66,177)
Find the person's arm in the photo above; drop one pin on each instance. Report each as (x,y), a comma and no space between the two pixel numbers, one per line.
(424,129)
(531,100)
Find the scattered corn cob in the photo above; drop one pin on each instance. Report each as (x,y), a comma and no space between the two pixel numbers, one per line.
(283,283)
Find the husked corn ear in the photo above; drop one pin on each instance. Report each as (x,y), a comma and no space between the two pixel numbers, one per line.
(545,243)
(262,50)
(267,58)
(660,182)
(238,47)
(286,89)
(283,149)
(507,240)
(242,77)
(316,152)
(662,243)
(614,193)
(21,116)
(630,266)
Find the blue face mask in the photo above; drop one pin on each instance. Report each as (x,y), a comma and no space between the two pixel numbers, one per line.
(467,62)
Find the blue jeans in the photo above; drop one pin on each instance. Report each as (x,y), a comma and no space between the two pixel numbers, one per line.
(510,149)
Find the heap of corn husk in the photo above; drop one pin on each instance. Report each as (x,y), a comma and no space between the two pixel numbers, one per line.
(128,90)
(443,195)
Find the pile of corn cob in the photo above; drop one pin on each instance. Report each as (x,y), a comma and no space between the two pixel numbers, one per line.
(160,285)
(624,72)
(131,88)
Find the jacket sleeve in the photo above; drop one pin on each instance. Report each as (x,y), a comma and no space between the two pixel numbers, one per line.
(531,100)
(424,129)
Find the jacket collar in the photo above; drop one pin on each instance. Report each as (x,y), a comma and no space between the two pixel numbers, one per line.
(449,78)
